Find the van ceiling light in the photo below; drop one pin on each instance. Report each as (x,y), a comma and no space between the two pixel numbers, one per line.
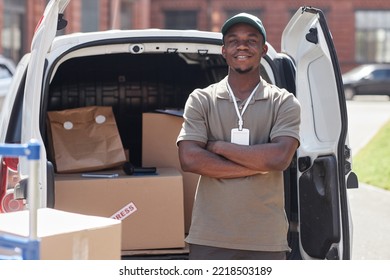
(172,50)
(137,48)
(203,52)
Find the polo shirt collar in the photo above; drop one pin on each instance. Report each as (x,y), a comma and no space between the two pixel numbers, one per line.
(222,91)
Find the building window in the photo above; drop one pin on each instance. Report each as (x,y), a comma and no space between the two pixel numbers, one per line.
(126,18)
(372,36)
(12,36)
(90,15)
(181,19)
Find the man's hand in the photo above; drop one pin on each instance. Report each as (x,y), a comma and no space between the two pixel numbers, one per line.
(273,156)
(196,158)
(213,147)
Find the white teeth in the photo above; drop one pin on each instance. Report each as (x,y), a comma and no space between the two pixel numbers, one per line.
(242,57)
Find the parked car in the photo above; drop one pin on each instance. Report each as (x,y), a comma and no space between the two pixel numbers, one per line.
(138,71)
(7,69)
(367,79)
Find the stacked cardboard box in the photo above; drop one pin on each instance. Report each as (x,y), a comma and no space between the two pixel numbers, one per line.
(159,134)
(149,206)
(67,236)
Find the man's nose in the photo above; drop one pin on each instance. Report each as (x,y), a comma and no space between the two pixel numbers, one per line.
(243,44)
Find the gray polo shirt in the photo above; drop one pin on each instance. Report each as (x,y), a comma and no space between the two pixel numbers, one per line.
(243,213)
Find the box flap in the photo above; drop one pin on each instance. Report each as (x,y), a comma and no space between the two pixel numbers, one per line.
(51,222)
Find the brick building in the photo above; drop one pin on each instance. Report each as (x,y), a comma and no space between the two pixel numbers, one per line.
(360,28)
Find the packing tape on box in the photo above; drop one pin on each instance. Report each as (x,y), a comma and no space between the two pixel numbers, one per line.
(80,247)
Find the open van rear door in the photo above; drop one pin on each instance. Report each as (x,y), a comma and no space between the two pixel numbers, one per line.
(323,156)
(44,34)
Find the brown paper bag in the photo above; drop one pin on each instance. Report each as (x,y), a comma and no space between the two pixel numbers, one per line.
(85,139)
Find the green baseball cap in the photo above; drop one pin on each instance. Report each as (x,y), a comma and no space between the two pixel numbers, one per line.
(244,18)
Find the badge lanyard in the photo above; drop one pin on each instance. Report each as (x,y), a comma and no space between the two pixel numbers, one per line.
(240,120)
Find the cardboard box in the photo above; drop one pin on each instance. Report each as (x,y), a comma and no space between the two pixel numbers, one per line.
(159,134)
(66,236)
(149,206)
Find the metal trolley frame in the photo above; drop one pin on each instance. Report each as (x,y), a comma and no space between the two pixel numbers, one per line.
(28,248)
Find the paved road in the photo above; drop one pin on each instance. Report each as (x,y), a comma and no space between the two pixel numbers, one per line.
(370,206)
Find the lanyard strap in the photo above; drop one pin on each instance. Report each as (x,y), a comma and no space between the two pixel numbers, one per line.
(240,120)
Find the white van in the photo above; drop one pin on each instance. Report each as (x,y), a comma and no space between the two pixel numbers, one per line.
(138,71)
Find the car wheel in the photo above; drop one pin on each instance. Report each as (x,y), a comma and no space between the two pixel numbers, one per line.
(349,93)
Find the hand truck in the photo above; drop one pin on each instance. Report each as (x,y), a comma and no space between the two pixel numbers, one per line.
(25,248)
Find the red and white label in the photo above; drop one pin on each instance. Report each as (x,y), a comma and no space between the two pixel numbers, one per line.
(125,212)
(9,204)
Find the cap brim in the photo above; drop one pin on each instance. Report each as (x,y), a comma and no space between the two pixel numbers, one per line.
(246,19)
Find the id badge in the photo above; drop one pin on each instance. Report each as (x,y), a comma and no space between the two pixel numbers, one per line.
(240,137)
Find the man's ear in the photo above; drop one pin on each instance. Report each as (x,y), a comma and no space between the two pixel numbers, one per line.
(265,50)
(223,51)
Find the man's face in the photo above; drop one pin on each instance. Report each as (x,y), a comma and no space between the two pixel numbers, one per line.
(243,48)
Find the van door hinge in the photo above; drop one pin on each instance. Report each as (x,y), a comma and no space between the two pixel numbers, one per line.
(347,152)
(61,23)
(347,158)
(304,163)
(312,36)
(333,254)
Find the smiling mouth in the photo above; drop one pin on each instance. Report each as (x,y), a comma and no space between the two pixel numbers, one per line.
(242,57)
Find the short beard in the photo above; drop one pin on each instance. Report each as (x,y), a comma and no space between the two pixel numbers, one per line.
(243,71)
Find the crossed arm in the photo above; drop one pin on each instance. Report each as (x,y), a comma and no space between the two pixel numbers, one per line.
(219,159)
